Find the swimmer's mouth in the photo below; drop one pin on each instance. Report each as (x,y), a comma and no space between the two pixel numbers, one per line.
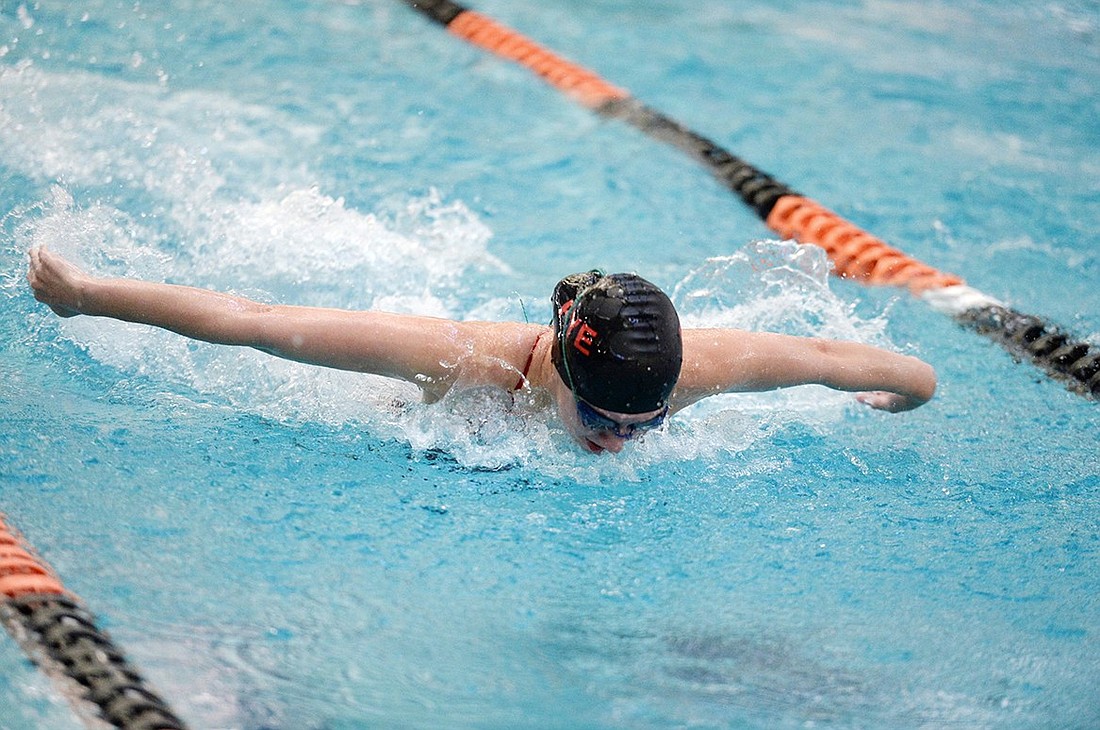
(593,447)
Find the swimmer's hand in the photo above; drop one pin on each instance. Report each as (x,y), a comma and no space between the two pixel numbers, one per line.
(57,282)
(891,402)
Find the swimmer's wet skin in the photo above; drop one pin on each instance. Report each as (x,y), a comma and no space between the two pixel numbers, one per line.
(619,349)
(614,360)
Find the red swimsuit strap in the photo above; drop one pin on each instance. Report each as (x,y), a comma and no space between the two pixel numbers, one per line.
(530,359)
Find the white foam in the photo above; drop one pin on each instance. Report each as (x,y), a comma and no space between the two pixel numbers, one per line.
(180,209)
(196,188)
(301,243)
(770,285)
(775,286)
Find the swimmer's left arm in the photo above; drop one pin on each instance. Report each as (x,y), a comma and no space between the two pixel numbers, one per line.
(720,361)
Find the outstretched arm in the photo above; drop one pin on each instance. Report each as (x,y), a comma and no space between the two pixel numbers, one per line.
(722,361)
(430,352)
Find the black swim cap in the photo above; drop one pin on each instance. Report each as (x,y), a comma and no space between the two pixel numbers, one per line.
(618,342)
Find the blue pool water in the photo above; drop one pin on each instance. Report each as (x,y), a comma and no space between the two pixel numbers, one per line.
(282,547)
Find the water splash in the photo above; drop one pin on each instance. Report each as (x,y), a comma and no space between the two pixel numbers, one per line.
(783,287)
(195,188)
(774,286)
(769,285)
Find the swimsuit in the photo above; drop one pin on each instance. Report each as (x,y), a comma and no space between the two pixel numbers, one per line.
(527,366)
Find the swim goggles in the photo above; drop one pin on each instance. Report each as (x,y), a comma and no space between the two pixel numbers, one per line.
(596,421)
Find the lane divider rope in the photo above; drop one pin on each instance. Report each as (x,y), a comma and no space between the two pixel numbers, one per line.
(855,253)
(61,636)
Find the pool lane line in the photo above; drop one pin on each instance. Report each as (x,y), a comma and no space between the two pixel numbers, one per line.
(855,253)
(60,635)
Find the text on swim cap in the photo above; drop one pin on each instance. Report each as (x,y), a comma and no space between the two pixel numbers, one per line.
(582,336)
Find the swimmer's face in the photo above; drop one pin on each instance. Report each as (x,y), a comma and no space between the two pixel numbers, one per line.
(604,430)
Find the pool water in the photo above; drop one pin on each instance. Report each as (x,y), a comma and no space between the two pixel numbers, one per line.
(277,546)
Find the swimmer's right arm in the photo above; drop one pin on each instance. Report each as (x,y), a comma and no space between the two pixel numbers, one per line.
(421,350)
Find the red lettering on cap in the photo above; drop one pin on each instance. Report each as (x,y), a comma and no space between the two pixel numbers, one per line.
(584,338)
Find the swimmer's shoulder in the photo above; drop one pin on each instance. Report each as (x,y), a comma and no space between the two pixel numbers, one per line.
(513,345)
(505,334)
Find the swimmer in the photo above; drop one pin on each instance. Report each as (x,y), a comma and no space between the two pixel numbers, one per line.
(614,360)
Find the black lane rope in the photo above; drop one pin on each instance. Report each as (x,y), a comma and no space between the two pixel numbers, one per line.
(61,636)
(855,253)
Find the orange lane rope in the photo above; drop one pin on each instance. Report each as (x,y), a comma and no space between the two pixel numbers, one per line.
(855,253)
(62,637)
(21,572)
(580,83)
